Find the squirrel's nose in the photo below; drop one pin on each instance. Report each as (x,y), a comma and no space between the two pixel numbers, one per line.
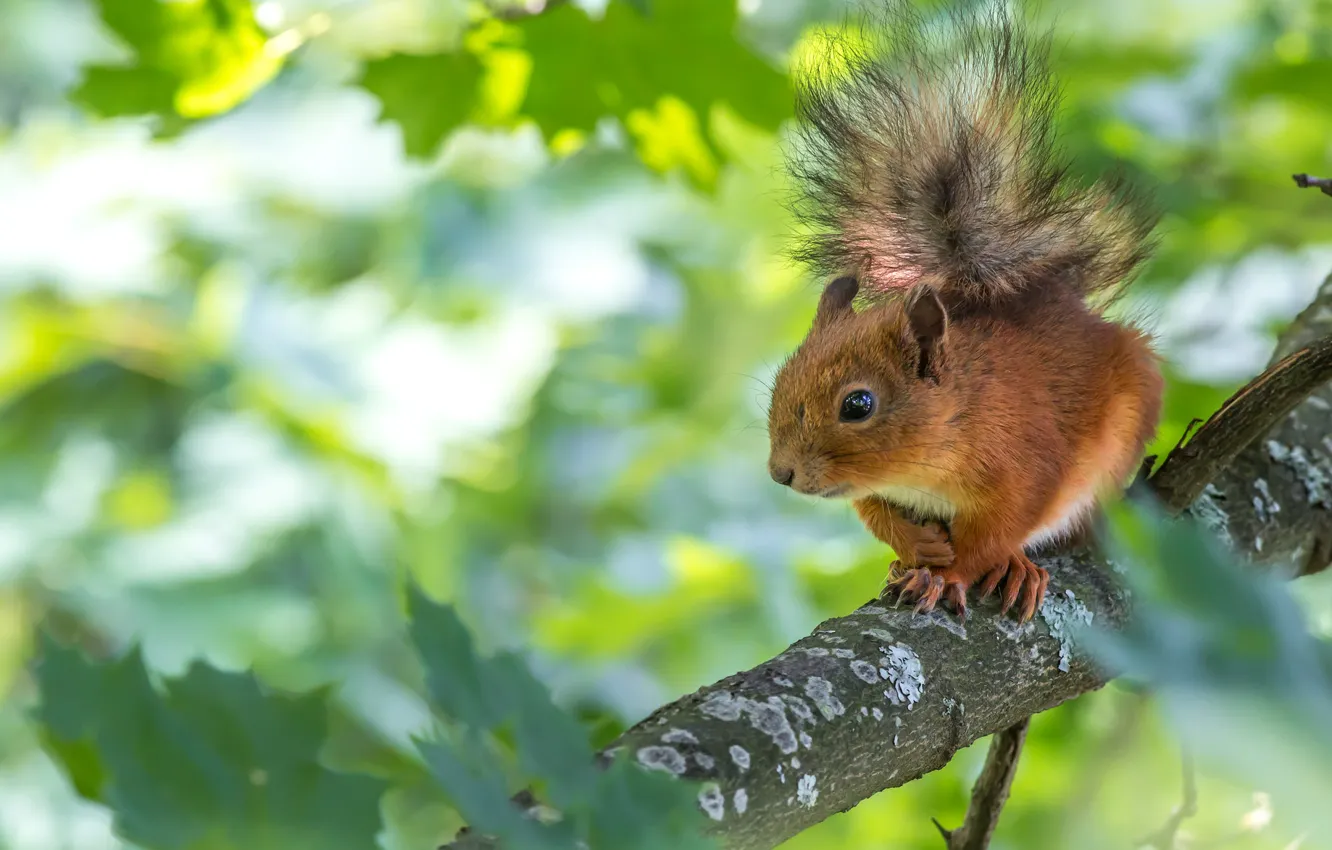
(783,475)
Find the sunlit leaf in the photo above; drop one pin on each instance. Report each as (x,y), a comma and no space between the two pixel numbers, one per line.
(114,91)
(191,58)
(584,69)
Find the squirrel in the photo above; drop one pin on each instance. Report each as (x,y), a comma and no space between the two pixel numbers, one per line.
(961,383)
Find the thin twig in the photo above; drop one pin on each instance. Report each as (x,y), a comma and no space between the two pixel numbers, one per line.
(1188,430)
(1164,838)
(1246,416)
(1304,181)
(990,792)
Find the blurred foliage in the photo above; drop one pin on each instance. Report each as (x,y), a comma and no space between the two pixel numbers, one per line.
(622,806)
(215,762)
(1230,656)
(306,302)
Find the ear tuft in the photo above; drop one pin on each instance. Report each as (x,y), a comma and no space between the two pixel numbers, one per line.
(836,299)
(928,320)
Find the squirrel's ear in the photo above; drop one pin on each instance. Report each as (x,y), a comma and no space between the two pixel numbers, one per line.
(928,323)
(836,300)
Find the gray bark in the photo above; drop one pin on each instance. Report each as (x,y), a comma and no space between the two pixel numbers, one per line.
(870,701)
(1274,501)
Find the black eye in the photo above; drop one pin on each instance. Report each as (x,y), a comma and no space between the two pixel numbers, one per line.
(857,406)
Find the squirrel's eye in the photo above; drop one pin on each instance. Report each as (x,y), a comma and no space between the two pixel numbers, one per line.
(857,406)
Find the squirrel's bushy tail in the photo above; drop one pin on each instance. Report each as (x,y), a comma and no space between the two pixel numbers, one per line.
(926,152)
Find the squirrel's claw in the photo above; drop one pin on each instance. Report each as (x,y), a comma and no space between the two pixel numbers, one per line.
(909,584)
(1022,580)
(1037,596)
(930,597)
(1012,588)
(992,579)
(956,595)
(926,588)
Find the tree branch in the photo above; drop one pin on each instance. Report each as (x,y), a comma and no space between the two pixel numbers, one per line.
(1164,838)
(990,792)
(880,697)
(1246,416)
(1273,502)
(1304,181)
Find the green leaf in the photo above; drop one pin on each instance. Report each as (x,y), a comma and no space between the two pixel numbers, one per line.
(427,96)
(584,69)
(114,91)
(551,743)
(488,694)
(1227,652)
(483,798)
(68,720)
(623,806)
(646,811)
(460,683)
(65,679)
(213,761)
(191,59)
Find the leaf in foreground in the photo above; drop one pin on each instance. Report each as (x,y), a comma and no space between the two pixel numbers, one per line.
(210,761)
(1228,652)
(622,806)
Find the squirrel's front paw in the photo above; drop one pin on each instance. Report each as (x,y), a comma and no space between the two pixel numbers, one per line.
(926,587)
(932,547)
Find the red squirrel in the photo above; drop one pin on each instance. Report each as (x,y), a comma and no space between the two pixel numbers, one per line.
(961,384)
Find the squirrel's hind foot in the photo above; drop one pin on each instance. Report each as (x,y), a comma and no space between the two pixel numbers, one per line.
(1025,581)
(926,587)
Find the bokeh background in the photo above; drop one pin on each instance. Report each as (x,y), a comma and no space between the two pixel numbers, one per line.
(304,299)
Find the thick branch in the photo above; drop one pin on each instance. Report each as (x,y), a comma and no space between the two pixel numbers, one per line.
(880,697)
(873,700)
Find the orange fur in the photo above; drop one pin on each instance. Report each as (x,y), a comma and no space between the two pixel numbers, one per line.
(1037,409)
